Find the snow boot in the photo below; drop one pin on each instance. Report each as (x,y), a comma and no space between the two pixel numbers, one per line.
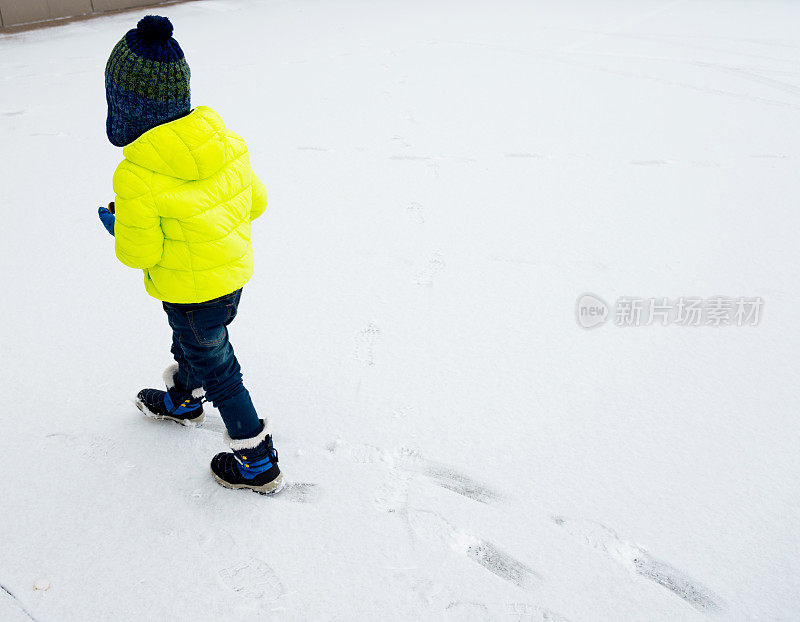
(174,404)
(253,464)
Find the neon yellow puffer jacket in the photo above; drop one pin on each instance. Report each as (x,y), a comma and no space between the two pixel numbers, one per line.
(185,197)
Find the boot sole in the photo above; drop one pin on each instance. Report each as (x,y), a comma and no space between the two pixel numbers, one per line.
(185,422)
(270,488)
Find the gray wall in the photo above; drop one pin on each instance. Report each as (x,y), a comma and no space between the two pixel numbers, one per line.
(13,12)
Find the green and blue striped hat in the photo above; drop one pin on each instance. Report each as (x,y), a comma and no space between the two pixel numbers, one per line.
(147,81)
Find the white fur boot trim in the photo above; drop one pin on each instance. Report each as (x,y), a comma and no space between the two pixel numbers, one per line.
(240,444)
(169,375)
(169,380)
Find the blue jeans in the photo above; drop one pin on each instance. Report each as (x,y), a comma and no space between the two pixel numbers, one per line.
(205,359)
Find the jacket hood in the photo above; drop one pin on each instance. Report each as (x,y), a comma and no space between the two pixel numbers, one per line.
(191,148)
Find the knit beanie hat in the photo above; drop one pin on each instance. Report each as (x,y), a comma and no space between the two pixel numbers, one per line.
(147,81)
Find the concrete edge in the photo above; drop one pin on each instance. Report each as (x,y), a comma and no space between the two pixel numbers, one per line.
(60,21)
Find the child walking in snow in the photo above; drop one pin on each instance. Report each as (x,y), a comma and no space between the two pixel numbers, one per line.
(185,199)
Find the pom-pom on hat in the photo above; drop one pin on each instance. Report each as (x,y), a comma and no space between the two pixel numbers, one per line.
(147,81)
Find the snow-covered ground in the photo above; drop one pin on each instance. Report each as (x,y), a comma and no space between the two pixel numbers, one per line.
(445,179)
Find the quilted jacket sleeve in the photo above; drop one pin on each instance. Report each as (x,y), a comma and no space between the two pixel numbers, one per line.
(139,240)
(259,197)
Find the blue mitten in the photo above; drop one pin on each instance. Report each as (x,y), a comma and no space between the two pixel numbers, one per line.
(107,218)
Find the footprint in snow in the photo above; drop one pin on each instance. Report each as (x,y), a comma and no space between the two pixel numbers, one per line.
(299,492)
(411,462)
(434,266)
(88,446)
(431,526)
(366,339)
(253,578)
(416,211)
(392,496)
(448,477)
(459,483)
(215,426)
(640,561)
(360,454)
(526,612)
